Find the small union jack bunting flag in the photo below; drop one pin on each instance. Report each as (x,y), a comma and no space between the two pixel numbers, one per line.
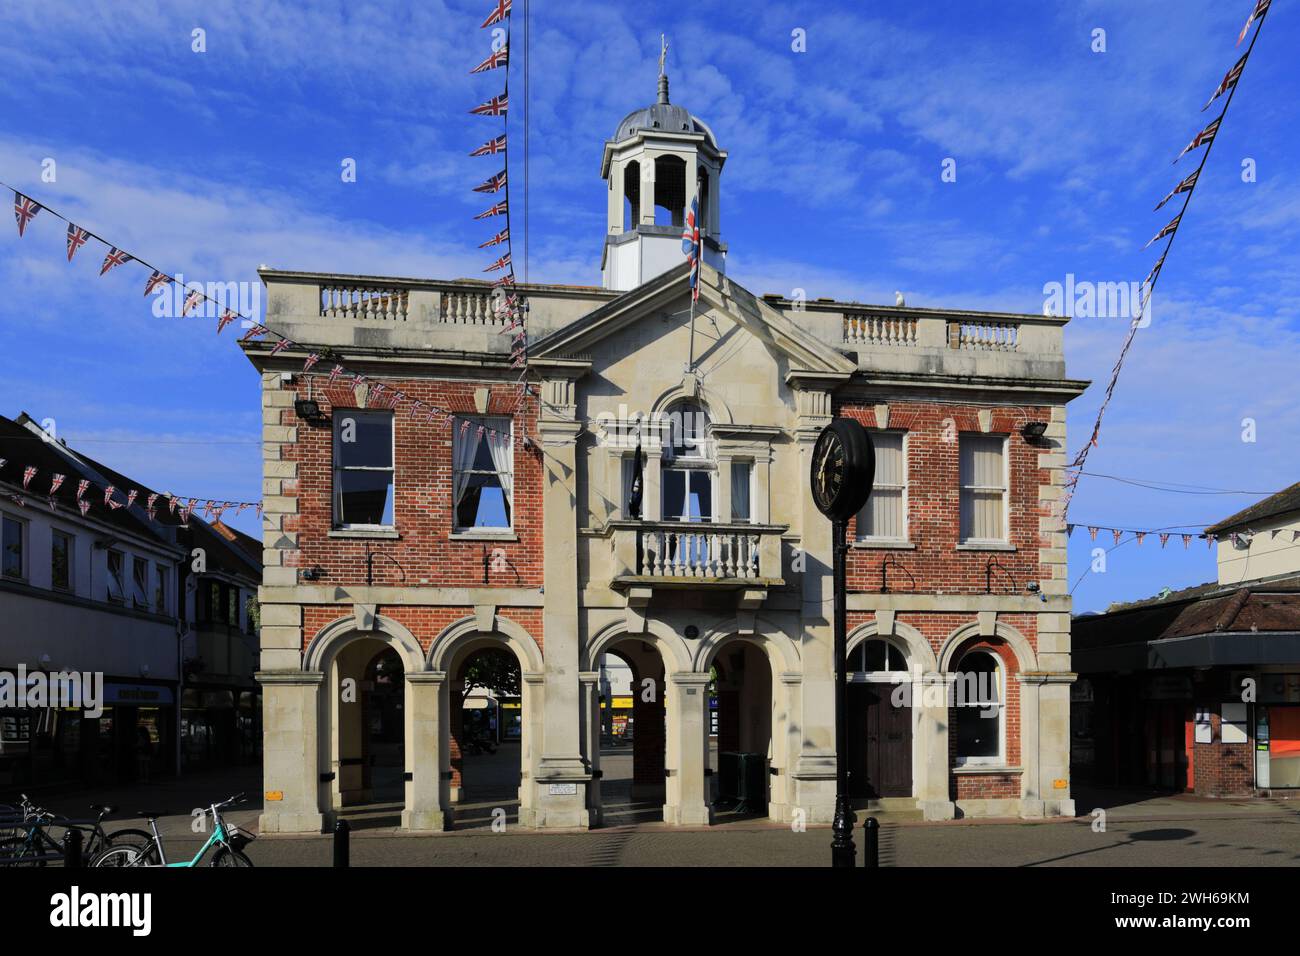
(491,147)
(1117,533)
(115,258)
(108,494)
(151,513)
(498,210)
(28,474)
(1255,14)
(280,346)
(55,482)
(193,299)
(82,485)
(500,58)
(1092,533)
(499,264)
(496,240)
(1169,227)
(496,106)
(130,497)
(258,507)
(171,503)
(1229,81)
(508,279)
(377,390)
(415,407)
(84,506)
(1184,187)
(1164,539)
(312,359)
(226,318)
(464,425)
(253,332)
(155,280)
(493,184)
(76,239)
(19,500)
(25,211)
(148,503)
(499,13)
(114,505)
(335,372)
(1200,139)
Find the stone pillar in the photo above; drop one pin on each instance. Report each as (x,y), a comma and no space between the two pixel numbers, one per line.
(686,800)
(560,788)
(1045,744)
(647,217)
(290,751)
(423,809)
(591,740)
(930,695)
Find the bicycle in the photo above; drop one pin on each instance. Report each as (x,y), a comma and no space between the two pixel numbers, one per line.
(27,843)
(226,837)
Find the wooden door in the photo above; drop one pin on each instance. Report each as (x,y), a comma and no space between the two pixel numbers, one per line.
(879,747)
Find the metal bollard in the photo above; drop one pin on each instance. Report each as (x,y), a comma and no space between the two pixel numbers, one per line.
(342,848)
(871,836)
(72,849)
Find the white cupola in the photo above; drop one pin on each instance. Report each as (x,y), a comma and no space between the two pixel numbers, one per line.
(660,159)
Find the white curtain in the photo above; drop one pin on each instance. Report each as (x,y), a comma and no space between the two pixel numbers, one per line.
(464,448)
(502,449)
(740,505)
(882,516)
(983,487)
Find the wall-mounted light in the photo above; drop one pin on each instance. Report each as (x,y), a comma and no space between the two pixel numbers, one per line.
(1033,431)
(307,408)
(313,573)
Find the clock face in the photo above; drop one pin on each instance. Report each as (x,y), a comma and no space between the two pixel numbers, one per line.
(843,469)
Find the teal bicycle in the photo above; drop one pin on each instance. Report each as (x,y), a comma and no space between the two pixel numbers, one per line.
(226,839)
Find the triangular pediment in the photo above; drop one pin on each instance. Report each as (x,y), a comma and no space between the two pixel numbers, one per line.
(802,351)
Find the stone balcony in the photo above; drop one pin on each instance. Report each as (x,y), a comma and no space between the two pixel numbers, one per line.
(676,554)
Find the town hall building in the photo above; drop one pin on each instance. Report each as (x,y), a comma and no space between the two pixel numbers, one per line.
(649,501)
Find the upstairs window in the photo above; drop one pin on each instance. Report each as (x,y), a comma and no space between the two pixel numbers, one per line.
(983,488)
(688,468)
(139,583)
(160,588)
(483,473)
(884,516)
(61,560)
(116,578)
(11,536)
(742,475)
(363,469)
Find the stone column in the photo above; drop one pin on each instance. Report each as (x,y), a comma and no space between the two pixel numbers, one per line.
(423,810)
(686,800)
(931,694)
(560,787)
(591,740)
(290,751)
(1045,723)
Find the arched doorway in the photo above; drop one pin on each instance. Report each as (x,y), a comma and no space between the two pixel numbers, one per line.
(880,717)
(485,737)
(632,738)
(368,733)
(741,731)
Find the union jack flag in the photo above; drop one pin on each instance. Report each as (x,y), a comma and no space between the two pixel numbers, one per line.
(335,372)
(415,407)
(130,497)
(312,359)
(28,474)
(496,240)
(82,485)
(280,346)
(153,515)
(156,280)
(1155,269)
(499,264)
(226,318)
(84,506)
(376,391)
(149,503)
(498,210)
(497,15)
(76,239)
(1184,187)
(258,508)
(1164,539)
(25,210)
(55,482)
(1169,227)
(491,147)
(253,332)
(1255,14)
(508,279)
(171,503)
(500,58)
(496,106)
(1204,136)
(108,494)
(1229,81)
(193,299)
(115,258)
(691,246)
(492,184)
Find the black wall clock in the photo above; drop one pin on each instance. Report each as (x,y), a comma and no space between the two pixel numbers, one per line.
(843,469)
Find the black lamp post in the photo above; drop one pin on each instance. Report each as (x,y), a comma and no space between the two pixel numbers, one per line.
(842,472)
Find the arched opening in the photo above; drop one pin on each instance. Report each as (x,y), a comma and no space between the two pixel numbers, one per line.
(979,709)
(368,736)
(740,725)
(879,716)
(486,736)
(631,195)
(670,191)
(632,733)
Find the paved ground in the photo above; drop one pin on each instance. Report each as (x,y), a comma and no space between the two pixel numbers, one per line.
(1140,830)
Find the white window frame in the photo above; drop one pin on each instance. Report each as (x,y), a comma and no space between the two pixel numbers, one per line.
(109,577)
(905,487)
(337,468)
(24,545)
(885,676)
(999,669)
(1005,489)
(698,457)
(71,538)
(140,601)
(747,463)
(496,423)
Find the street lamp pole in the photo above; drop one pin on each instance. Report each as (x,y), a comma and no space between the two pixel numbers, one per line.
(843,851)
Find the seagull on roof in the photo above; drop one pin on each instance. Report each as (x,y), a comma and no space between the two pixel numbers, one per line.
(898,299)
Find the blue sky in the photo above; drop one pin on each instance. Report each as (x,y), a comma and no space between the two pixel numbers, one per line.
(211,164)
